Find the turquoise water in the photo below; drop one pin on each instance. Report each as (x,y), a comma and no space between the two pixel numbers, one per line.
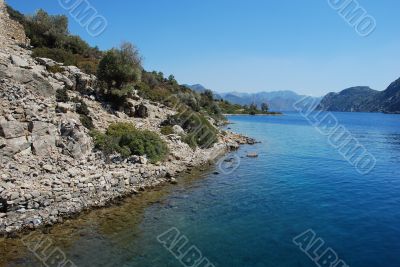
(249,218)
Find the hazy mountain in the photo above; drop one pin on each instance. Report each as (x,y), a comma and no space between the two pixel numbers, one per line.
(277,100)
(364,99)
(200,89)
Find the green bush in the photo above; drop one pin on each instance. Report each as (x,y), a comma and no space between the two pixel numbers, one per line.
(62,95)
(86,121)
(167,130)
(200,131)
(125,139)
(81,107)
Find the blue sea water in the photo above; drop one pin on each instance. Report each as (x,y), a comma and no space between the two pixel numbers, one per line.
(249,218)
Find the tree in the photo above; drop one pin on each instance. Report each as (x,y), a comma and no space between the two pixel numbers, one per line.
(120,66)
(264,107)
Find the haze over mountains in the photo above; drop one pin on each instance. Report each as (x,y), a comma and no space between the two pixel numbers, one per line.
(277,100)
(354,99)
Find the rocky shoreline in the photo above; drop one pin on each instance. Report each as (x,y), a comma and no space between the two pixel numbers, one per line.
(93,184)
(50,169)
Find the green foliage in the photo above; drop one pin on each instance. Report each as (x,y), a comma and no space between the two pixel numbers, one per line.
(86,121)
(50,36)
(200,131)
(120,66)
(119,70)
(55,69)
(125,139)
(81,106)
(62,95)
(167,130)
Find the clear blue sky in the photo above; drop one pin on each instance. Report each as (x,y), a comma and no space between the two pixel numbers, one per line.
(258,45)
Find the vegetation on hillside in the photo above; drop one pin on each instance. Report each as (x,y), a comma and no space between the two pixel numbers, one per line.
(127,140)
(50,38)
(120,74)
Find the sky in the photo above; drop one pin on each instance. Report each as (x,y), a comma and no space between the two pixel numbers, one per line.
(249,46)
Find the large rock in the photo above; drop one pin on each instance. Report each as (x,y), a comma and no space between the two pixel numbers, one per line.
(75,141)
(19,62)
(14,146)
(44,136)
(178,130)
(64,107)
(42,128)
(12,129)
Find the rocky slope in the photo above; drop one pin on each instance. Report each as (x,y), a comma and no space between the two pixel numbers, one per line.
(364,99)
(49,169)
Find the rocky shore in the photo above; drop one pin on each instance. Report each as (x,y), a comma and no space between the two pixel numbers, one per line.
(49,168)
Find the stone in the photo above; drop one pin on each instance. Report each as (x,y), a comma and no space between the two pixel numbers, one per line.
(19,62)
(46,62)
(12,129)
(43,137)
(143,160)
(77,144)
(178,130)
(252,155)
(64,107)
(42,128)
(2,215)
(15,145)
(48,168)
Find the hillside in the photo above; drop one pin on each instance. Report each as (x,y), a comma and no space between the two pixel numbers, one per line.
(349,100)
(364,99)
(71,140)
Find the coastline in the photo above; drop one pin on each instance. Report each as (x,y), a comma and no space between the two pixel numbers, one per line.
(102,185)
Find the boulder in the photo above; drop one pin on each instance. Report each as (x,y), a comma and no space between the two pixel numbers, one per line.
(64,107)
(76,142)
(46,62)
(43,138)
(178,130)
(42,128)
(141,111)
(14,146)
(19,62)
(12,129)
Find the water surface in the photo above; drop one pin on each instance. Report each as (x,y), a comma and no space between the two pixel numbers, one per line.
(248,218)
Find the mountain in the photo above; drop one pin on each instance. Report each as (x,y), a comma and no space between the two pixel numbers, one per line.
(349,100)
(201,89)
(364,99)
(277,100)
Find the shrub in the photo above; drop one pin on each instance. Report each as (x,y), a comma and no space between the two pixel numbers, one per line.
(81,107)
(125,139)
(86,121)
(167,130)
(62,95)
(200,131)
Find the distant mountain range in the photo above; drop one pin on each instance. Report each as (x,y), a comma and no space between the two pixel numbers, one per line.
(364,99)
(277,100)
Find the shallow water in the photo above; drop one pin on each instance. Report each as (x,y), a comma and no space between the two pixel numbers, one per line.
(250,217)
